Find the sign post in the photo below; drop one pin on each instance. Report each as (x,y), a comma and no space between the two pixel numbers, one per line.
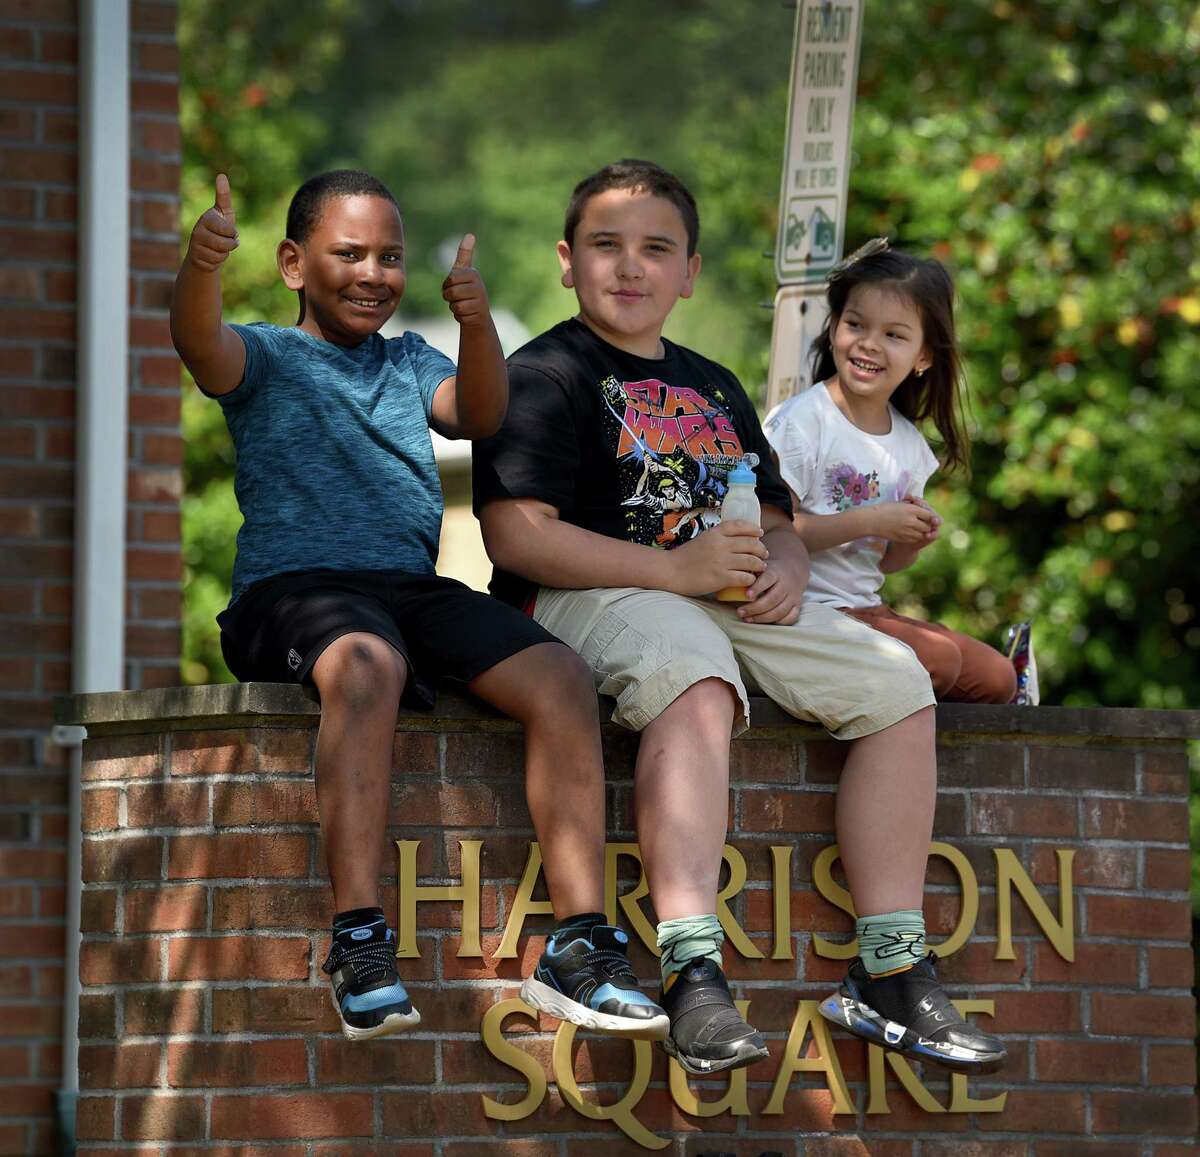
(816,178)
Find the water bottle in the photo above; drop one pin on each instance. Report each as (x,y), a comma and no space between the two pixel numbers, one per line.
(740,505)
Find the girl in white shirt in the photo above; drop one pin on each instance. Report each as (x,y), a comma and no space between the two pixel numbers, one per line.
(857,465)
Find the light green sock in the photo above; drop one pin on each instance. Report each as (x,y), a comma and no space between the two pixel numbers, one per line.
(682,940)
(891,941)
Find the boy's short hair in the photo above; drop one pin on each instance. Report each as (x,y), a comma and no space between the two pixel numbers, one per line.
(635,174)
(309,200)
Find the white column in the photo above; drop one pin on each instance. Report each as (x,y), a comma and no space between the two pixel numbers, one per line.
(101,432)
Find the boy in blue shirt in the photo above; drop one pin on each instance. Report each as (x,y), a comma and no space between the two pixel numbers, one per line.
(334,583)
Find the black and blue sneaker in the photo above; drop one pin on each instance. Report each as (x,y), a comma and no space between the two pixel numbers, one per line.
(588,981)
(910,1013)
(708,1034)
(367,993)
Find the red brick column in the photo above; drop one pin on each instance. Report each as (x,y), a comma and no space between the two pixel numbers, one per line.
(38,209)
(154,568)
(207,1021)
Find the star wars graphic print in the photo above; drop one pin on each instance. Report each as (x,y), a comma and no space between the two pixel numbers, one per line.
(674,448)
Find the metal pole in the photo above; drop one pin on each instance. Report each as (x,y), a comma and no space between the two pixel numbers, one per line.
(101,424)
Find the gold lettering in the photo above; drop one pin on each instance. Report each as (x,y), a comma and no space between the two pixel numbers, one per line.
(960,1099)
(829,889)
(734,1101)
(969,912)
(1060,932)
(808,1019)
(523,904)
(781,886)
(734,932)
(508,1054)
(409,893)
(628,900)
(620,1111)
(877,1082)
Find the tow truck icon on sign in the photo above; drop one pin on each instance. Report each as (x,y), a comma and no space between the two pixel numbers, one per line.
(809,239)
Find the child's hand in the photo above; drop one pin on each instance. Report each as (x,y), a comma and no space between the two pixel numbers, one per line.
(902,521)
(775,595)
(463,289)
(936,529)
(728,555)
(215,236)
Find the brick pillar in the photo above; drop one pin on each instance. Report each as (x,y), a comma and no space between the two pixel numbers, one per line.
(153,563)
(38,211)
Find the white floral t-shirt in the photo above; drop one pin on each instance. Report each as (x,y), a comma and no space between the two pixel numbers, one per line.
(833,466)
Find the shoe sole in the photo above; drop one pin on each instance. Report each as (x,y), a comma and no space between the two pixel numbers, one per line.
(863,1021)
(702,1067)
(394,1022)
(546,999)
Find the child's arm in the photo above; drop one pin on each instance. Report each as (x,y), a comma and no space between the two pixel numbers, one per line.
(796,458)
(902,523)
(212,352)
(471,404)
(900,556)
(527,537)
(776,594)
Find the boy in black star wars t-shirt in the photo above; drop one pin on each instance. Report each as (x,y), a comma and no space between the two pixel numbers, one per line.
(599,503)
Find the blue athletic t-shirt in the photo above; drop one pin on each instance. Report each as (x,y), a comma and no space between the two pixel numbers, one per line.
(335,466)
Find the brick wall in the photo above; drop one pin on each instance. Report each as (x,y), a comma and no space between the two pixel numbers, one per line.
(206,1022)
(38,254)
(153,562)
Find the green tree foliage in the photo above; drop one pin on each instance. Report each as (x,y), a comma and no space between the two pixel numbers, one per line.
(1044,149)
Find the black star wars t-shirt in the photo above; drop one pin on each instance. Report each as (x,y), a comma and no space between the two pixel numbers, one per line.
(630,447)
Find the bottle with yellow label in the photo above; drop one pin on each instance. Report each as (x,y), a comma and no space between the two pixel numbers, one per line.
(740,505)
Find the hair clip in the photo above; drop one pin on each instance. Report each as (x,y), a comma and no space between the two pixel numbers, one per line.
(870,249)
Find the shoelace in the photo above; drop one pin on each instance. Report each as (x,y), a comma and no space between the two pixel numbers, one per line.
(367,962)
(614,964)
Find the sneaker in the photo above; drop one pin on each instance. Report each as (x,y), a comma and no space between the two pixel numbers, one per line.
(708,1034)
(588,982)
(1018,649)
(367,993)
(910,1013)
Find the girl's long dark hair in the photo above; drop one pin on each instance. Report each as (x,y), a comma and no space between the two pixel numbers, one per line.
(936,394)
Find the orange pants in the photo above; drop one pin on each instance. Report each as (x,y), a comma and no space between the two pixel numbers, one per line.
(962,669)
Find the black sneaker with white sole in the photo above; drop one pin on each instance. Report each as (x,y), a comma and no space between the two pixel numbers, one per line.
(708,1034)
(367,993)
(588,982)
(910,1013)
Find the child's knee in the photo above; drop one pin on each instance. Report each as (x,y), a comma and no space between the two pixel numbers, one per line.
(554,685)
(567,678)
(360,673)
(997,680)
(943,660)
(704,702)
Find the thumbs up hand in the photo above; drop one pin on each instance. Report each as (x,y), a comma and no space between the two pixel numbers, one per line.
(464,290)
(215,235)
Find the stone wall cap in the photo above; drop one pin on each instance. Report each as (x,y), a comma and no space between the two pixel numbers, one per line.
(256,703)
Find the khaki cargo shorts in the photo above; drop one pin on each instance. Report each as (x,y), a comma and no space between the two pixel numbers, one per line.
(645,648)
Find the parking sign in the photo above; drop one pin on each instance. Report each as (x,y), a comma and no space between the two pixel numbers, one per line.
(816,164)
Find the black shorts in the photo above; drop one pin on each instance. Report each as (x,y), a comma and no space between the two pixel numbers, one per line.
(278,629)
